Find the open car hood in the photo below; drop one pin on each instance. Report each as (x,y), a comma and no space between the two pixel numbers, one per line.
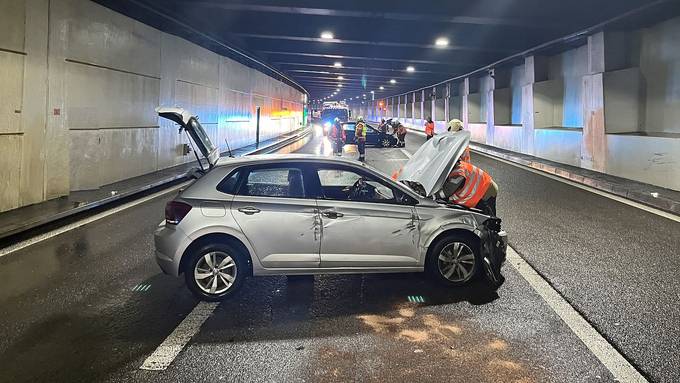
(190,123)
(436,158)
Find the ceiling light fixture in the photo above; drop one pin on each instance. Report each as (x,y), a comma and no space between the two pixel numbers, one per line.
(410,69)
(327,35)
(340,78)
(393,81)
(382,87)
(441,42)
(337,64)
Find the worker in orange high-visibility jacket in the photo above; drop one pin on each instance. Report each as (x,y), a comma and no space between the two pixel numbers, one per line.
(456,125)
(472,187)
(429,128)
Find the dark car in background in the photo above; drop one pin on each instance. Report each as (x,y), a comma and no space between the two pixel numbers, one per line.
(373,136)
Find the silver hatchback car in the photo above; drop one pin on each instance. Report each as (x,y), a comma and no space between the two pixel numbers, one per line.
(299,214)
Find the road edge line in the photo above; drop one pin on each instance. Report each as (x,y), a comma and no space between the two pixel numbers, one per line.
(605,352)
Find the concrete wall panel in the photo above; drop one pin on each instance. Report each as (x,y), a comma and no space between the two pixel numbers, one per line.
(560,145)
(86,156)
(655,160)
(12,20)
(660,66)
(508,137)
(98,35)
(10,170)
(11,91)
(104,98)
(478,132)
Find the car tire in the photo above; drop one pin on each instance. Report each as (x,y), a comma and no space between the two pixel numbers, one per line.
(215,272)
(454,260)
(385,142)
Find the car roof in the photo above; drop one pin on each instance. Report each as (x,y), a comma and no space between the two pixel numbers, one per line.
(279,158)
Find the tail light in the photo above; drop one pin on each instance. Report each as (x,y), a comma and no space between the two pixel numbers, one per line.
(175,211)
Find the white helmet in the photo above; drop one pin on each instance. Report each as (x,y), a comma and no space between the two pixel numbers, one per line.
(455,125)
(360,119)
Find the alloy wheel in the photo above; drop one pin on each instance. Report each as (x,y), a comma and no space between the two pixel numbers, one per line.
(215,272)
(456,262)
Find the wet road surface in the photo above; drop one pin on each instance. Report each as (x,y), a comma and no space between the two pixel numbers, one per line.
(91,304)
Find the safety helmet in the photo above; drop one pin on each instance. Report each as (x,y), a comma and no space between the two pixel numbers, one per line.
(360,119)
(455,125)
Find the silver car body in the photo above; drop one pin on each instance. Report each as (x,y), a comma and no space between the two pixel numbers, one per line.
(312,235)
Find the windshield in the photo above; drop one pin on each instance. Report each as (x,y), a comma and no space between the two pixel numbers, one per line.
(200,137)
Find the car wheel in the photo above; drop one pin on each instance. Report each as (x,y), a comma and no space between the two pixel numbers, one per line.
(215,272)
(454,260)
(385,142)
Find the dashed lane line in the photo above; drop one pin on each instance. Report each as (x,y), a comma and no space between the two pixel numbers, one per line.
(620,368)
(406,153)
(175,342)
(63,229)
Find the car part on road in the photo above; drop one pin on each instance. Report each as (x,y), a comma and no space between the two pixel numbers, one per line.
(215,271)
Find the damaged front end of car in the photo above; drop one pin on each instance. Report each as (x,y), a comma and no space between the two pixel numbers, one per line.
(493,247)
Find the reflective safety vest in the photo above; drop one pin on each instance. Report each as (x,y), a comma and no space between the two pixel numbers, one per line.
(477,181)
(360,131)
(429,128)
(465,157)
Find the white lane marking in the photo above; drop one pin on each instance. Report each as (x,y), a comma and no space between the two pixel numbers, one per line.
(622,370)
(614,197)
(407,154)
(175,342)
(53,233)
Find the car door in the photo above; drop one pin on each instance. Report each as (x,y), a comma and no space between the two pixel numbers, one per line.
(273,208)
(364,230)
(372,135)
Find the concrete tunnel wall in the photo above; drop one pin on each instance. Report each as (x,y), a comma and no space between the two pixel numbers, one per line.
(78,88)
(611,105)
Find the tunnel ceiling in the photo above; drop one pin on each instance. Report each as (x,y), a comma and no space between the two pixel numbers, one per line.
(374,40)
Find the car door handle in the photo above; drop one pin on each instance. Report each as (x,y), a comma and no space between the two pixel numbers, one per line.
(332,214)
(249,210)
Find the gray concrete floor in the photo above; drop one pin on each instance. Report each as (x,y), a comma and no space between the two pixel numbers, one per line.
(68,311)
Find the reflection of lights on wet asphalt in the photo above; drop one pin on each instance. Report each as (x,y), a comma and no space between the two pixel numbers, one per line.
(326,147)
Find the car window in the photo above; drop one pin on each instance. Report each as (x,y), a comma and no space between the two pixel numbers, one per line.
(347,185)
(274,182)
(229,183)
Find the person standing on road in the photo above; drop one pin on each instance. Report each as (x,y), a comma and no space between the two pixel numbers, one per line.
(337,136)
(382,128)
(456,125)
(360,138)
(472,187)
(401,135)
(429,128)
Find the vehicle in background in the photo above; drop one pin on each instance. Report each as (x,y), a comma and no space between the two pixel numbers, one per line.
(328,115)
(316,113)
(292,215)
(373,136)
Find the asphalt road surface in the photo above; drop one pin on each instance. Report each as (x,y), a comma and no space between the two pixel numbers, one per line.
(91,304)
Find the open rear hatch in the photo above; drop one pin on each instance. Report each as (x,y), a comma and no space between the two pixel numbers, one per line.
(190,124)
(434,161)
